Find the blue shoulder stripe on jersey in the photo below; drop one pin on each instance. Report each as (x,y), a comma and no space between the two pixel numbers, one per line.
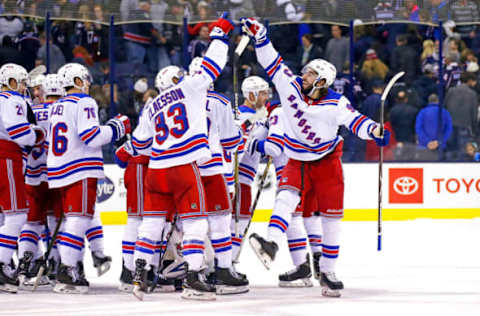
(295,86)
(245,109)
(219,97)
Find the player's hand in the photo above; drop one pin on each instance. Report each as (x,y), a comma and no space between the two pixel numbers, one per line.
(120,125)
(122,155)
(40,135)
(381,140)
(254,29)
(222,27)
(254,146)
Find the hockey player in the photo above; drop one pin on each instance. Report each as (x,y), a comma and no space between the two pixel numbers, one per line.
(222,131)
(313,114)
(74,164)
(303,221)
(16,134)
(256,92)
(174,127)
(134,178)
(40,198)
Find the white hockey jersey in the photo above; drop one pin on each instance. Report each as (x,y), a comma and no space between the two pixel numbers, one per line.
(15,130)
(74,141)
(274,142)
(311,129)
(223,133)
(36,167)
(248,164)
(174,124)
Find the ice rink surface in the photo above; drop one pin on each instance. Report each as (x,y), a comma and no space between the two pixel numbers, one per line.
(427,267)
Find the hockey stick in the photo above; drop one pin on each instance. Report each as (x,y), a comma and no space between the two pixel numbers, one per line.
(162,255)
(47,253)
(238,52)
(380,161)
(254,206)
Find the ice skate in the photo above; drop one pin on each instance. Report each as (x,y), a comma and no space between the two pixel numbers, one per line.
(101,262)
(8,279)
(164,285)
(31,278)
(70,281)
(265,250)
(228,281)
(23,270)
(298,277)
(331,286)
(316,265)
(140,285)
(195,288)
(126,280)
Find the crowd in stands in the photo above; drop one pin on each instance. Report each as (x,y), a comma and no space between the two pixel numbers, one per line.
(433,112)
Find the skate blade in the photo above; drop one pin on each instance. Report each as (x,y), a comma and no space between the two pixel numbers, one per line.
(164,289)
(103,268)
(9,288)
(227,290)
(261,255)
(124,287)
(191,294)
(42,281)
(330,293)
(138,293)
(297,283)
(70,289)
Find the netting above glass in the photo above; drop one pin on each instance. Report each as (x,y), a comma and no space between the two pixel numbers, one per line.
(276,11)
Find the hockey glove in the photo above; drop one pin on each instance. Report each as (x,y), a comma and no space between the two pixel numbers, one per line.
(120,125)
(254,29)
(381,141)
(221,28)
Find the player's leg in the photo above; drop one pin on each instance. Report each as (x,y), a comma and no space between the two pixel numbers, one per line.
(313,226)
(13,203)
(190,202)
(288,197)
(79,204)
(297,244)
(245,203)
(129,238)
(95,238)
(157,206)
(219,211)
(329,190)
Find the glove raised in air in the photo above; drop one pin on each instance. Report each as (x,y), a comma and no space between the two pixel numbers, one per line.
(254,29)
(221,28)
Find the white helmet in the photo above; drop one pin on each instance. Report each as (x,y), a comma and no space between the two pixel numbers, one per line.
(67,74)
(254,84)
(13,71)
(53,86)
(164,78)
(323,70)
(195,65)
(35,81)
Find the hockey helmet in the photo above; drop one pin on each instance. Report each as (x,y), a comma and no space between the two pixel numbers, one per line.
(164,78)
(53,86)
(255,85)
(69,72)
(322,69)
(13,71)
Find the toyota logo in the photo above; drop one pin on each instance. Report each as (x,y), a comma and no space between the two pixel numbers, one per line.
(405,185)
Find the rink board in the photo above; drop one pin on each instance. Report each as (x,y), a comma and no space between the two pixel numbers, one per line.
(410,191)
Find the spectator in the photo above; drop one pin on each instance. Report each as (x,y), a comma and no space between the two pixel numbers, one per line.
(198,47)
(57,59)
(462,103)
(433,129)
(430,58)
(439,11)
(158,13)
(240,8)
(337,51)
(126,7)
(371,105)
(470,152)
(453,71)
(425,85)
(452,47)
(373,68)
(28,44)
(413,10)
(308,50)
(139,38)
(9,54)
(351,90)
(61,38)
(402,117)
(404,58)
(11,26)
(203,15)
(465,11)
